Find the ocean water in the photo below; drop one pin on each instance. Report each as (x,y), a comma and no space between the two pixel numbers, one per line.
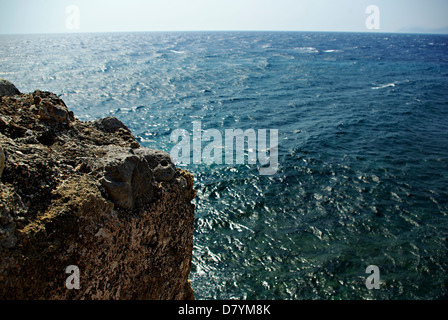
(363,148)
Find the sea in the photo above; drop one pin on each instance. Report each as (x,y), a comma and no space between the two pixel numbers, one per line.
(362,175)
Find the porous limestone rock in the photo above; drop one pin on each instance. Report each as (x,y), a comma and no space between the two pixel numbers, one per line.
(2,161)
(7,88)
(87,194)
(130,176)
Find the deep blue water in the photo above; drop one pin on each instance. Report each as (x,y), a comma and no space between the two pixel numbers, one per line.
(363,157)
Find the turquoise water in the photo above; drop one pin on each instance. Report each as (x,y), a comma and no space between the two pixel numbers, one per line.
(363,157)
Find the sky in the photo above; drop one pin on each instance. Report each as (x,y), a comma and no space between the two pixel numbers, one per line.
(67,16)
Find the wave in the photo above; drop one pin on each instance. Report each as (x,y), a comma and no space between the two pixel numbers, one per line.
(307,49)
(392,85)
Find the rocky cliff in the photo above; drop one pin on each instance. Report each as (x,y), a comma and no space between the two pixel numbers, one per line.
(82,203)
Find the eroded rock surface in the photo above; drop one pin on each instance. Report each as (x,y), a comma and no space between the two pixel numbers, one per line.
(87,194)
(7,88)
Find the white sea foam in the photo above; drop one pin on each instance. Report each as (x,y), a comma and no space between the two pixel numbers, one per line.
(384,86)
(307,49)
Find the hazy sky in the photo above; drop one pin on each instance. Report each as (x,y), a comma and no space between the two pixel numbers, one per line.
(56,16)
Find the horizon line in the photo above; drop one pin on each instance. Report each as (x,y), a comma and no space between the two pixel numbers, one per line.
(222,30)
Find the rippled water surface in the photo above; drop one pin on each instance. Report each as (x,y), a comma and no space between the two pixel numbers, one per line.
(363,157)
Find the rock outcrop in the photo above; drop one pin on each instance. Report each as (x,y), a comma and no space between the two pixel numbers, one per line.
(7,88)
(86,194)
